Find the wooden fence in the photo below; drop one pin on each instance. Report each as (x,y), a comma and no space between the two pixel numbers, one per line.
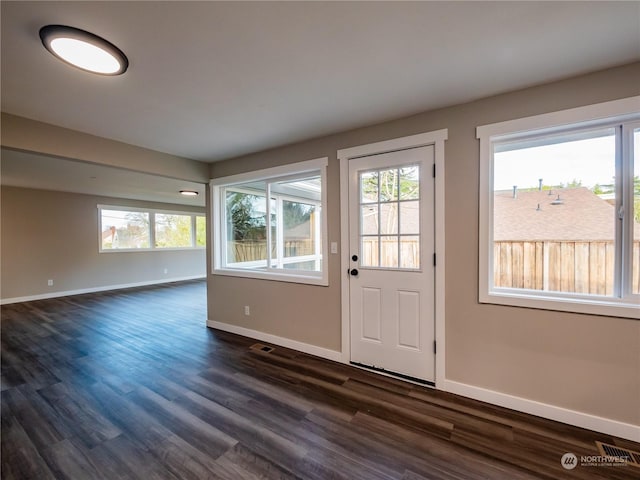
(251,250)
(409,252)
(561,266)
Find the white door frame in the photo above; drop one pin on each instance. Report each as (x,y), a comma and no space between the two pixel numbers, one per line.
(437,139)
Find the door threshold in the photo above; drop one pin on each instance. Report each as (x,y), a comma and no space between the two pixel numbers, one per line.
(389,373)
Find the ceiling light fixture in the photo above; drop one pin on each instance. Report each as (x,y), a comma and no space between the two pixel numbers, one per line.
(84,50)
(189,193)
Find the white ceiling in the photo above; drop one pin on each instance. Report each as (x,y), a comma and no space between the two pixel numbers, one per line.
(214,80)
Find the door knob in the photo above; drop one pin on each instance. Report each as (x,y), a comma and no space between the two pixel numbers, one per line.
(354,258)
(353,271)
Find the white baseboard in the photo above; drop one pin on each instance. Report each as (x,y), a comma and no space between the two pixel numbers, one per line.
(321,352)
(44,296)
(552,412)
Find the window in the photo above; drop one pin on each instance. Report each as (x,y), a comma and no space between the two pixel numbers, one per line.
(129,229)
(124,230)
(173,230)
(390,218)
(560,210)
(270,224)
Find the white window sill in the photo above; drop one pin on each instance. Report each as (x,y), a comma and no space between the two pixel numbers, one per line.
(598,305)
(156,249)
(275,276)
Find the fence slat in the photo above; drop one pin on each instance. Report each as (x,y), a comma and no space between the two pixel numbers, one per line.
(576,267)
(582,267)
(539,265)
(555,272)
(529,265)
(517,264)
(567,267)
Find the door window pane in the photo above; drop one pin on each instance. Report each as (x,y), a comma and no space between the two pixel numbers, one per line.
(389,252)
(369,219)
(410,217)
(388,185)
(410,252)
(410,183)
(369,252)
(368,187)
(388,218)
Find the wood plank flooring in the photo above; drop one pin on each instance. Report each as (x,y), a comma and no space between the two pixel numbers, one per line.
(132,385)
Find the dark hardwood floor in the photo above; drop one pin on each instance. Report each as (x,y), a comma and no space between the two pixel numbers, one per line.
(132,385)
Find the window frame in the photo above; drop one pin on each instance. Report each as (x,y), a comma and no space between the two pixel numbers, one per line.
(218,187)
(152,228)
(623,303)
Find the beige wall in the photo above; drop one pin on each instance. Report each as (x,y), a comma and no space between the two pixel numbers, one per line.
(21,133)
(585,363)
(54,235)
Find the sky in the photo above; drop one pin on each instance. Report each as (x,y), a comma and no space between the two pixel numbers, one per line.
(591,161)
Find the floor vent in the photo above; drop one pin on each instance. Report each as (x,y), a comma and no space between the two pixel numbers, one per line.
(608,450)
(261,348)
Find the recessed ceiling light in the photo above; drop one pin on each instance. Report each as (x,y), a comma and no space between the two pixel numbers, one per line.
(84,50)
(189,193)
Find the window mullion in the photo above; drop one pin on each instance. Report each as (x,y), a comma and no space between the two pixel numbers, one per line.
(280,230)
(193,231)
(620,193)
(152,230)
(626,209)
(317,238)
(268,224)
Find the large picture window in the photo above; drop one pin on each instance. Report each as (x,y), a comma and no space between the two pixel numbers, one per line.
(270,224)
(134,229)
(560,211)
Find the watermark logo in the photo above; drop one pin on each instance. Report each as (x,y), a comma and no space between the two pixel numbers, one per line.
(569,461)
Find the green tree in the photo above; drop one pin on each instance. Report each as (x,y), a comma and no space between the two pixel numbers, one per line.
(201,231)
(243,222)
(172,230)
(294,213)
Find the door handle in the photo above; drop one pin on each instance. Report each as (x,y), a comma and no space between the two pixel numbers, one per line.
(353,272)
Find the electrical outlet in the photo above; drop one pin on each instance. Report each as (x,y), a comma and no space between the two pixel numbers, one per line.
(50,283)
(247,311)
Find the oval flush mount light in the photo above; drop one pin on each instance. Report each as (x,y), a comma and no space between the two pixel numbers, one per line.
(189,193)
(84,50)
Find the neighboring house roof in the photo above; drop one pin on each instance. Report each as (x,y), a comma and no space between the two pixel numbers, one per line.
(582,216)
(410,218)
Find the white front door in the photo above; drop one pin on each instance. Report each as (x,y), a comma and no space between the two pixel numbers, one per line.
(391,281)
